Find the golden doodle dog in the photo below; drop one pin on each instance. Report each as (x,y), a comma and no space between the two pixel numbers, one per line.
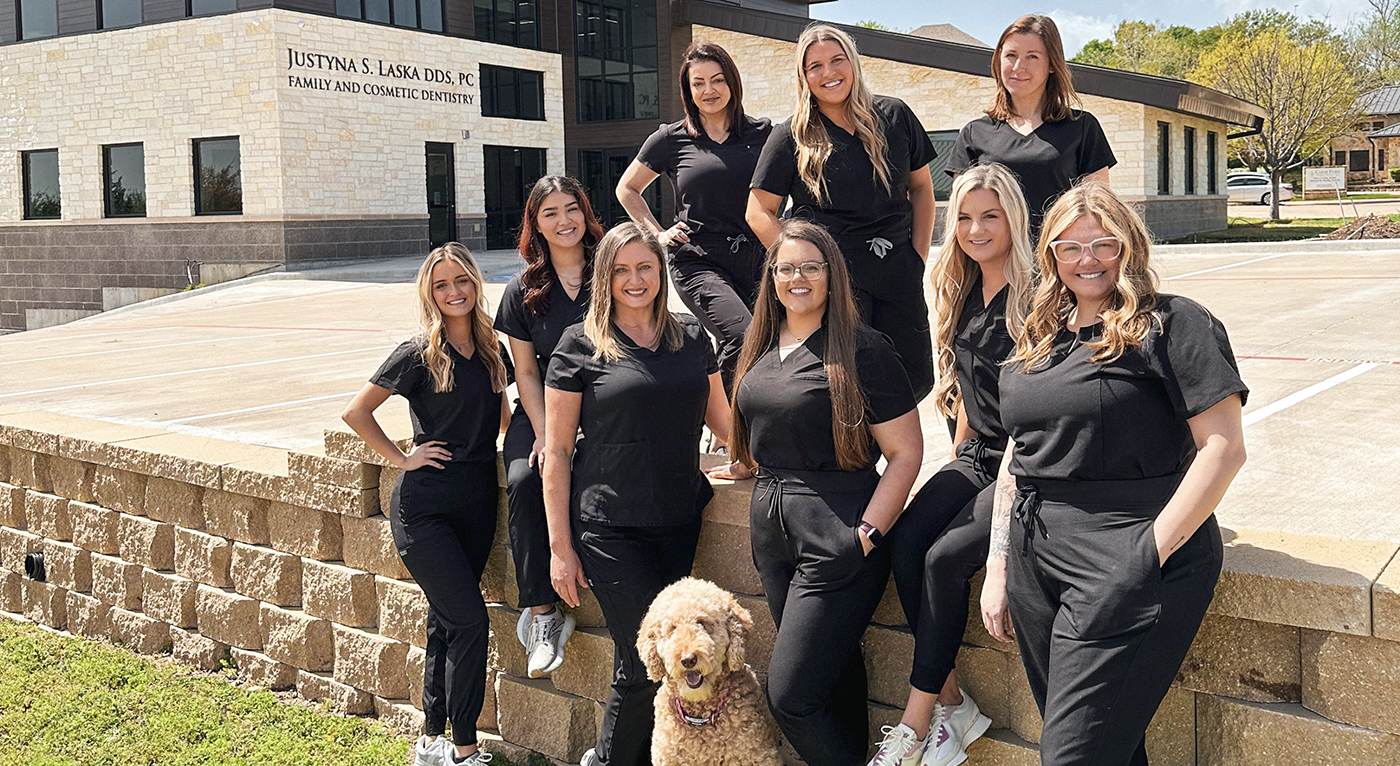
(710,710)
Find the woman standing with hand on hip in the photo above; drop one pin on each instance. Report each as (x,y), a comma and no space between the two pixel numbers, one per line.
(709,156)
(1124,406)
(443,509)
(858,165)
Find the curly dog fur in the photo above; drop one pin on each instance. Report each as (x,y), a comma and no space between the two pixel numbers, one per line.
(692,641)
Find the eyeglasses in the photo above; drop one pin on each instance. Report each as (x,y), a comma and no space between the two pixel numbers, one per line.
(1101,249)
(784,272)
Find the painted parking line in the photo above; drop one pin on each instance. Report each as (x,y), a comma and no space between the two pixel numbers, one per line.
(204,341)
(1310,391)
(1315,359)
(1230,266)
(290,403)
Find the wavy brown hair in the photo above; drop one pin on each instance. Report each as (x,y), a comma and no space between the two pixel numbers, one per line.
(598,323)
(432,337)
(849,427)
(538,276)
(1128,313)
(708,51)
(1060,94)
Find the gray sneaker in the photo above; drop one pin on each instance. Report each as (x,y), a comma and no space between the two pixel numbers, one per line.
(479,758)
(435,753)
(545,644)
(590,758)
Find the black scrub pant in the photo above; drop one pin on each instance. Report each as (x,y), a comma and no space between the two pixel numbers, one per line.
(889,293)
(822,591)
(1103,629)
(443,522)
(626,567)
(529,533)
(717,278)
(938,544)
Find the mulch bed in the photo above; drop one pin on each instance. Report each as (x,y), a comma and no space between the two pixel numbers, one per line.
(1367,227)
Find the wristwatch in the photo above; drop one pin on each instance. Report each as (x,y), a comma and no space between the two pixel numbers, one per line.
(872,534)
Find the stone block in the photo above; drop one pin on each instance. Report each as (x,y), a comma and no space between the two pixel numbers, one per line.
(47,515)
(139,633)
(371,662)
(388,477)
(535,715)
(175,502)
(147,542)
(999,747)
(1236,733)
(30,470)
(203,557)
(1022,714)
(296,638)
(257,669)
(119,490)
(321,687)
(71,479)
(1352,679)
(12,505)
(236,517)
(984,673)
(1244,659)
(266,575)
(15,544)
(758,650)
(117,582)
(228,617)
(723,558)
(889,653)
(1385,603)
(343,444)
(889,612)
(305,532)
(94,527)
(11,592)
(487,719)
(88,617)
(4,463)
(505,653)
(169,597)
(328,470)
(200,651)
(68,566)
(403,611)
(413,669)
(589,613)
(498,583)
(588,664)
(46,604)
(1171,737)
(399,715)
(369,546)
(338,593)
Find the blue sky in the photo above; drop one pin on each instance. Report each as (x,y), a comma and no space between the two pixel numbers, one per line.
(1079,20)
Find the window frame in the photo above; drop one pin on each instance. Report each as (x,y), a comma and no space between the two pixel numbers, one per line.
(490,93)
(196,168)
(1164,159)
(390,4)
(487,32)
(107,180)
(140,15)
(1188,146)
(24,188)
(1212,157)
(189,10)
(597,92)
(19,22)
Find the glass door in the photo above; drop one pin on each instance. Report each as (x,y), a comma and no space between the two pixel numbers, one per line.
(442,202)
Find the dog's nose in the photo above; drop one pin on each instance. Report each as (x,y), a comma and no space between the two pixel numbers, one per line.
(688,661)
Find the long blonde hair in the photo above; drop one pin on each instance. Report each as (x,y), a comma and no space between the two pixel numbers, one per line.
(432,337)
(1128,313)
(954,273)
(598,324)
(814,145)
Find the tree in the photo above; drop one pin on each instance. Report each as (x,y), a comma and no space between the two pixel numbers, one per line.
(1138,46)
(1375,41)
(873,24)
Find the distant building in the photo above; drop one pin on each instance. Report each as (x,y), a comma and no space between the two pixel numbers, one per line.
(948,34)
(1369,152)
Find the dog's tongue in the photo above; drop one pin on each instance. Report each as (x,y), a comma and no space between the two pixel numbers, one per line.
(693,678)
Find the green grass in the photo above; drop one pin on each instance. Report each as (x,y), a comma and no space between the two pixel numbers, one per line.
(1365,195)
(67,701)
(1265,230)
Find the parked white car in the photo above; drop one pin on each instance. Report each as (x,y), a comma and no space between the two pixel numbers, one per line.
(1255,188)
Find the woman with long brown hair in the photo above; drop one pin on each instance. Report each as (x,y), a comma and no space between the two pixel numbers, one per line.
(857,164)
(557,238)
(818,398)
(443,508)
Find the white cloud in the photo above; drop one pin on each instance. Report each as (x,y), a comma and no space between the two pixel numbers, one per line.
(1077,29)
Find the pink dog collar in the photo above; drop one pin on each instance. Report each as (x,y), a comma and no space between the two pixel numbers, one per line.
(697,721)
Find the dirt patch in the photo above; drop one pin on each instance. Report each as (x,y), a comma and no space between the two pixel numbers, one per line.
(1367,227)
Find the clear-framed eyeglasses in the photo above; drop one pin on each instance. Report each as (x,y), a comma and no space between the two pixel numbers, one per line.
(1101,249)
(785,272)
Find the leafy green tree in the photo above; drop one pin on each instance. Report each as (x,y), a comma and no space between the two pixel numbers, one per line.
(1375,41)
(873,24)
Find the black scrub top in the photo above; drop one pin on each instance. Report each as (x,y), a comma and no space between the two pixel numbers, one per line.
(1079,420)
(541,331)
(981,344)
(711,179)
(467,418)
(638,464)
(857,205)
(1048,161)
(787,402)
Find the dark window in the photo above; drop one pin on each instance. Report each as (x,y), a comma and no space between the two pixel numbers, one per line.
(1188,143)
(1164,158)
(616,60)
(413,14)
(218,177)
(1339,158)
(1380,159)
(208,7)
(516,93)
(510,172)
(124,175)
(509,22)
(38,18)
(600,170)
(1212,182)
(1360,161)
(119,13)
(41,198)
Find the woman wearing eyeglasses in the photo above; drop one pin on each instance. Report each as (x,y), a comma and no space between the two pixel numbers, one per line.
(818,398)
(1123,405)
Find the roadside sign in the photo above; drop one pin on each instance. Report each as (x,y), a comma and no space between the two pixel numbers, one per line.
(1332,178)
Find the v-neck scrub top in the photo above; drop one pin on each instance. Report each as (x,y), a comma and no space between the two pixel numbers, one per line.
(467,418)
(981,344)
(1048,161)
(711,179)
(639,462)
(542,331)
(787,402)
(1078,420)
(857,205)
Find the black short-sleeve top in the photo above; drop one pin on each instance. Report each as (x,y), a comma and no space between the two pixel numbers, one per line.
(638,464)
(857,205)
(711,179)
(1048,161)
(786,403)
(980,346)
(541,331)
(1075,419)
(467,418)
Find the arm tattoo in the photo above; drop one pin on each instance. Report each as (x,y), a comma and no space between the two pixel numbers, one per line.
(1001,517)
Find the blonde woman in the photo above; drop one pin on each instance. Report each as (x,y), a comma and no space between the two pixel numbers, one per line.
(624,515)
(1124,408)
(983,279)
(443,509)
(857,164)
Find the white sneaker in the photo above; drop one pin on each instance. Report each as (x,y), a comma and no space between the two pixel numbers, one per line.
(545,642)
(590,758)
(943,747)
(434,753)
(966,719)
(479,758)
(900,747)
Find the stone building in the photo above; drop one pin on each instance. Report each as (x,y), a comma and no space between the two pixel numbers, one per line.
(1369,152)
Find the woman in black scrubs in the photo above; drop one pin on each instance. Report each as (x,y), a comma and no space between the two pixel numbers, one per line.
(443,509)
(709,157)
(1124,406)
(983,277)
(1031,127)
(557,237)
(624,515)
(856,164)
(818,398)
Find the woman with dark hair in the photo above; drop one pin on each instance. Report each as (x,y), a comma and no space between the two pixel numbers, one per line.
(857,164)
(557,238)
(709,156)
(1032,126)
(818,398)
(624,512)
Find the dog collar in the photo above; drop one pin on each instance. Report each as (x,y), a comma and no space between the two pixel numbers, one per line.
(698,721)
